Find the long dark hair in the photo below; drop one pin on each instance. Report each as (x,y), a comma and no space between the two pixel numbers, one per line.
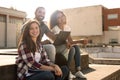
(53,18)
(26,38)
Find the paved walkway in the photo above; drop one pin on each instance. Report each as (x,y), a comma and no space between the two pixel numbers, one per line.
(7,59)
(7,56)
(99,71)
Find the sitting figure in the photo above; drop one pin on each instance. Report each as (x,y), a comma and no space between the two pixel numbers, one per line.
(32,61)
(70,50)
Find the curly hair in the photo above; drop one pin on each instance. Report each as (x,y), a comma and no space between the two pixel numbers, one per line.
(53,18)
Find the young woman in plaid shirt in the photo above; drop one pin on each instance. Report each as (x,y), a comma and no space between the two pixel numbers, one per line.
(32,60)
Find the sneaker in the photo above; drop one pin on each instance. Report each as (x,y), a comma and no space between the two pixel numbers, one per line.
(80,74)
(71,76)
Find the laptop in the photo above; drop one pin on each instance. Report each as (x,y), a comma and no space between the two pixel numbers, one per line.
(61,38)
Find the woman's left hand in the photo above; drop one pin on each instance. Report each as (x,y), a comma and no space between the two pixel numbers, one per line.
(58,71)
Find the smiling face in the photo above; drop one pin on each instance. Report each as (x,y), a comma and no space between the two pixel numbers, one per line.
(61,18)
(34,30)
(40,13)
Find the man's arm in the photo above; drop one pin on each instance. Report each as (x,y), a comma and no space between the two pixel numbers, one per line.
(45,42)
(48,32)
(51,35)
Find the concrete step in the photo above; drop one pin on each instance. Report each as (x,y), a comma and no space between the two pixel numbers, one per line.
(84,62)
(8,67)
(93,72)
(102,72)
(8,51)
(109,61)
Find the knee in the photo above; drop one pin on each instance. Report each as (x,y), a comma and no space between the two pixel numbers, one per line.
(52,47)
(50,76)
(72,51)
(65,70)
(75,46)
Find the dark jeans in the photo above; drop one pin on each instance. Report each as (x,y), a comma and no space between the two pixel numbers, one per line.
(48,75)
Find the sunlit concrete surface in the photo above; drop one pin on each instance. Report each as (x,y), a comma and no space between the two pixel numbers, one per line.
(99,72)
(7,60)
(8,51)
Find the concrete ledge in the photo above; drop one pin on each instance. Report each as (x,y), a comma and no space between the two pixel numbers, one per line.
(113,76)
(8,72)
(60,60)
(94,72)
(102,72)
(104,61)
(84,61)
(8,68)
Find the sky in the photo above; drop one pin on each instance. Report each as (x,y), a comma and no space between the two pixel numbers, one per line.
(29,6)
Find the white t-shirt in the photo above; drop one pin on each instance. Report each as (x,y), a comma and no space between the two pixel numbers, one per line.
(37,56)
(56,29)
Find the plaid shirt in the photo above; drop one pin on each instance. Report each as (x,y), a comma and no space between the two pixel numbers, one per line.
(26,60)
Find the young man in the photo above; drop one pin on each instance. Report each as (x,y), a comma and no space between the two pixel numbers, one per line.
(50,48)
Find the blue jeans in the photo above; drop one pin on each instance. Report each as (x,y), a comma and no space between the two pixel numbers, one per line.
(51,51)
(48,75)
(74,53)
(42,75)
(65,72)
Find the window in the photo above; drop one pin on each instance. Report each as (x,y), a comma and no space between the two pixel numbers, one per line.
(114,28)
(112,41)
(15,20)
(112,16)
(2,18)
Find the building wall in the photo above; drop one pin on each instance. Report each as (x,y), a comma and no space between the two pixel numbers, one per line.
(85,21)
(111,21)
(109,35)
(110,25)
(12,35)
(10,22)
(2,34)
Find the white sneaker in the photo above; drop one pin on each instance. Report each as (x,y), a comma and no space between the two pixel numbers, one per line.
(80,74)
(71,76)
